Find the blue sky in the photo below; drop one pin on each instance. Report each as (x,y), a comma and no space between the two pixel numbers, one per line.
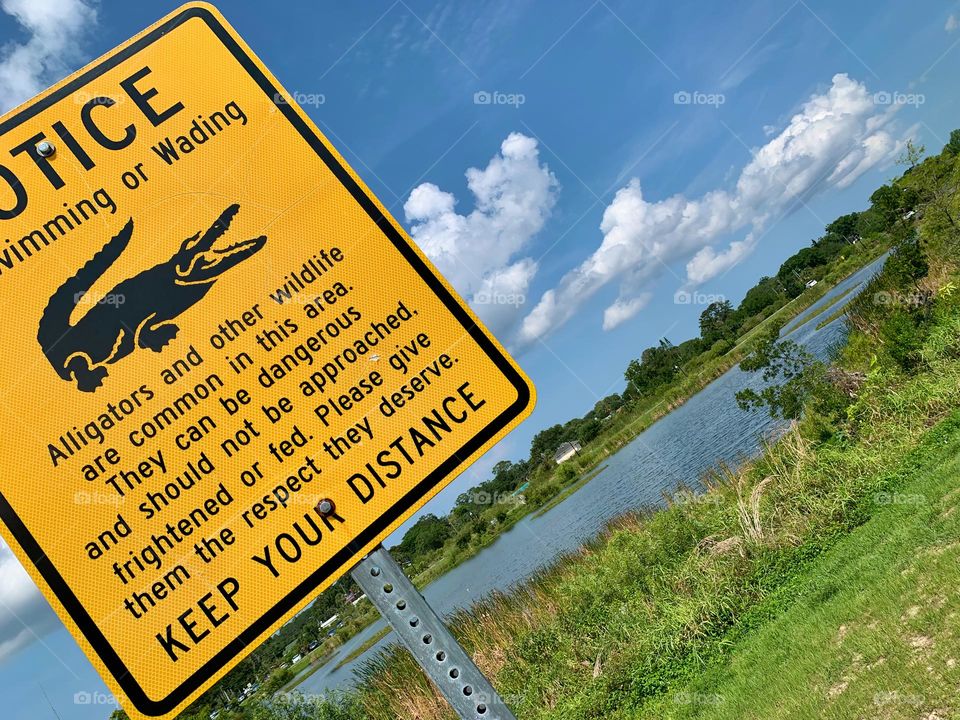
(622,152)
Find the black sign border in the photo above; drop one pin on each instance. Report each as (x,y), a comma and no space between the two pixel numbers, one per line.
(114,664)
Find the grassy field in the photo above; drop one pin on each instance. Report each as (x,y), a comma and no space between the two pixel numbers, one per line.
(871,628)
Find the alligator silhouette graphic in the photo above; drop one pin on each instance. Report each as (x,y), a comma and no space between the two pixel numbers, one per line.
(140,310)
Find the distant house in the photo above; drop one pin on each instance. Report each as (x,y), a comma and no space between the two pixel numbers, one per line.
(566,451)
(811,283)
(330,622)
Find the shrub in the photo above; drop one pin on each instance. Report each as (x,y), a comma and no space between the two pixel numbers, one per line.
(718,349)
(294,706)
(566,474)
(902,335)
(280,678)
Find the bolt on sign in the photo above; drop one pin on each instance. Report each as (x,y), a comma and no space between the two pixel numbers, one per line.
(229,372)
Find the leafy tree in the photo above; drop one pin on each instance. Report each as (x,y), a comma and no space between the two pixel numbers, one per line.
(279,678)
(428,534)
(606,406)
(891,202)
(546,442)
(463,512)
(689,349)
(794,272)
(907,264)
(589,430)
(846,227)
(761,296)
(801,373)
(659,365)
(507,476)
(654,368)
(715,321)
(567,473)
(911,155)
(933,184)
(953,145)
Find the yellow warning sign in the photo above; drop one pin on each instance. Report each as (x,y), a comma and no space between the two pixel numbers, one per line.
(227,373)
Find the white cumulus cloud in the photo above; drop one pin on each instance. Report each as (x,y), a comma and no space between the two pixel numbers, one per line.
(834,138)
(55,29)
(483,253)
(952,24)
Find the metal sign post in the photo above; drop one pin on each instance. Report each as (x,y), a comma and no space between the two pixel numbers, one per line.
(430,642)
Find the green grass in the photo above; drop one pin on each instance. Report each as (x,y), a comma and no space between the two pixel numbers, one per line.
(838,603)
(383,697)
(870,629)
